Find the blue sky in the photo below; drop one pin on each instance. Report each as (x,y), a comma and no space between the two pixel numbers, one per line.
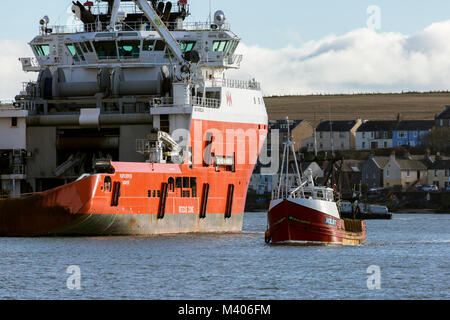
(272,24)
(292,47)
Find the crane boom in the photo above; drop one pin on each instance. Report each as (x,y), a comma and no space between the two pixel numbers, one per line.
(156,22)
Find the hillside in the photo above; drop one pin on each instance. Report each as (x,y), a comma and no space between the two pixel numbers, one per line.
(411,106)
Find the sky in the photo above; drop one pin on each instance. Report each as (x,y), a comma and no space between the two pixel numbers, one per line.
(291,46)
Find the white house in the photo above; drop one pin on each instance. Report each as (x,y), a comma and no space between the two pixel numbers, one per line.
(375,135)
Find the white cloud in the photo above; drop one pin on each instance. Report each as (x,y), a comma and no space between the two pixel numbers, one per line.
(359,61)
(11,74)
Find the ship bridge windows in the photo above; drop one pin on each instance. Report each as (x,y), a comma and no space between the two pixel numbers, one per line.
(73,51)
(160,45)
(106,49)
(42,50)
(219,46)
(148,45)
(187,46)
(86,47)
(129,49)
(79,51)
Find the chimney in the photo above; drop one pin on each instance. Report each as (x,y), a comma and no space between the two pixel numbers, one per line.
(392,156)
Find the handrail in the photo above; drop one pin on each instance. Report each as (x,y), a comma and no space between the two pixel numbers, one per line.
(237,84)
(129,26)
(206,102)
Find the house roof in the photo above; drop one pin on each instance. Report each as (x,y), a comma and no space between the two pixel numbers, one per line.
(445,114)
(369,126)
(441,165)
(407,164)
(352,165)
(337,126)
(415,125)
(381,162)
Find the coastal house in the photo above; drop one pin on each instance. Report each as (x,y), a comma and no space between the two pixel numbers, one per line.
(333,136)
(12,150)
(439,173)
(373,135)
(372,171)
(404,173)
(443,119)
(411,132)
(300,129)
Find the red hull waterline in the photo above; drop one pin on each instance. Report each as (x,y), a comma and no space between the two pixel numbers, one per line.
(295,223)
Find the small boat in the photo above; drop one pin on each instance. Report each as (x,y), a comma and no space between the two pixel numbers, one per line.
(302,213)
(364,211)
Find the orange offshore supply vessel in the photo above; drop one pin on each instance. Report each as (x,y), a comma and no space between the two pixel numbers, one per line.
(204,131)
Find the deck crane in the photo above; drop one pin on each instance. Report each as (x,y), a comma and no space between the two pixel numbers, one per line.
(183,70)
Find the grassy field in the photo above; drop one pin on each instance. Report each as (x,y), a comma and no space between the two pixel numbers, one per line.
(411,106)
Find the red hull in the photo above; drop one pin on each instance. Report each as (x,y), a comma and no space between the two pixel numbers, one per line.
(290,222)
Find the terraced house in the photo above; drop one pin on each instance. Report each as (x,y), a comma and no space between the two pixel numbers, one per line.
(404,173)
(373,135)
(439,173)
(333,135)
(411,132)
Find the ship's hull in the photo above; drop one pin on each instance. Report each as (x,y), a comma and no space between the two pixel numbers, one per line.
(77,210)
(145,198)
(311,222)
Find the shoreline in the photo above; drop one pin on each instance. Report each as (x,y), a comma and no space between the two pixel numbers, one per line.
(419,211)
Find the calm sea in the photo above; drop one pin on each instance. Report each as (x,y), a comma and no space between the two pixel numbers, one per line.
(412,253)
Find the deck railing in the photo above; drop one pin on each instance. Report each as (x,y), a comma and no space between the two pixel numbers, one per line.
(128,26)
(206,102)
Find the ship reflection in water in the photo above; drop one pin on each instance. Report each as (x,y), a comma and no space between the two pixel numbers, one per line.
(411,250)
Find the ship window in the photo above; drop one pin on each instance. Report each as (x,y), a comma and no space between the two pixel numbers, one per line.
(160,45)
(148,45)
(14,122)
(42,50)
(178,182)
(185,182)
(129,49)
(219,46)
(128,34)
(154,193)
(171,183)
(83,47)
(194,187)
(186,194)
(71,49)
(89,46)
(78,49)
(187,46)
(106,49)
(107,184)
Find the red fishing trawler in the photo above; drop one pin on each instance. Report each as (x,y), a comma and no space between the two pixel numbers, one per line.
(205,130)
(302,213)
